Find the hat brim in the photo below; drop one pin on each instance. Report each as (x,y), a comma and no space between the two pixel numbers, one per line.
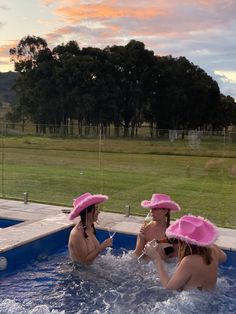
(207,238)
(90,200)
(172,206)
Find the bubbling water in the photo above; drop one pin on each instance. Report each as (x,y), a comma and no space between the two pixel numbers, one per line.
(115,283)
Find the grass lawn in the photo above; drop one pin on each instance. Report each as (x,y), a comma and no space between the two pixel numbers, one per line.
(202,179)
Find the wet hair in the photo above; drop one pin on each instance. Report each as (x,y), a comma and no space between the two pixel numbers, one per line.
(168,219)
(83,217)
(186,249)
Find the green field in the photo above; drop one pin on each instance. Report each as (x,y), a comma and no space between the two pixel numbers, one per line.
(201,177)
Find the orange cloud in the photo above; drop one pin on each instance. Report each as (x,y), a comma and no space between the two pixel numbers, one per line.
(115,28)
(47,2)
(99,11)
(57,34)
(4,49)
(5,64)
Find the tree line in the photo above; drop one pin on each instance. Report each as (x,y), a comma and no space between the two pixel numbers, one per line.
(119,85)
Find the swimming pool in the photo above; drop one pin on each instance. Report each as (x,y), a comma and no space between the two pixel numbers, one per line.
(4,223)
(115,283)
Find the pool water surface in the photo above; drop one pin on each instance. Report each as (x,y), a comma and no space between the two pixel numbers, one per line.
(115,283)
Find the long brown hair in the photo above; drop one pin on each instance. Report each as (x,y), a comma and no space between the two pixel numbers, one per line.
(168,219)
(83,218)
(186,249)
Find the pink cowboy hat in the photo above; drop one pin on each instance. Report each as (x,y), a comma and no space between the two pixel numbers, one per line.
(161,201)
(85,200)
(193,230)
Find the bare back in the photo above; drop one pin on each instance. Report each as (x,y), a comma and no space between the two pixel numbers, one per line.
(193,272)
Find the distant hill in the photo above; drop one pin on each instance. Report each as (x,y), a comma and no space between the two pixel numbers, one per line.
(7,80)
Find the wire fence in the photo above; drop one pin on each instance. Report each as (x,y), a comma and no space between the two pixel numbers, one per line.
(75,129)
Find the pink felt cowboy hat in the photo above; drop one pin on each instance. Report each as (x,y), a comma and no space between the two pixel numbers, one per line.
(193,230)
(161,201)
(85,200)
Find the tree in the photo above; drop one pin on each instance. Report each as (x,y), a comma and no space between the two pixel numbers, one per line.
(228,111)
(124,85)
(132,73)
(186,97)
(25,55)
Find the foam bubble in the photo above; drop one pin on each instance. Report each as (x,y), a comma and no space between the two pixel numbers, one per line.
(114,283)
(9,306)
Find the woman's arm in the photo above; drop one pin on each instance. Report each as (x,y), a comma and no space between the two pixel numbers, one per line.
(179,278)
(222,257)
(164,277)
(140,242)
(80,249)
(89,258)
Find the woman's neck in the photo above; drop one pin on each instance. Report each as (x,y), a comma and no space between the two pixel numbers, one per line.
(89,225)
(160,222)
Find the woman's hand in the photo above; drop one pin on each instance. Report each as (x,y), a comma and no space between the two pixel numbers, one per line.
(108,242)
(142,231)
(151,250)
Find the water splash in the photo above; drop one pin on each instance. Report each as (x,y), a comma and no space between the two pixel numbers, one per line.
(115,283)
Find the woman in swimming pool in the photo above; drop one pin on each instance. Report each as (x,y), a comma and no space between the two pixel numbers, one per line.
(84,247)
(160,207)
(198,256)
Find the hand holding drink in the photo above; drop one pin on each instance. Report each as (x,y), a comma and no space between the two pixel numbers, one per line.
(152,244)
(148,219)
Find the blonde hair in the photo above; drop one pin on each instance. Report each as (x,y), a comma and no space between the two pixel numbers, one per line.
(186,249)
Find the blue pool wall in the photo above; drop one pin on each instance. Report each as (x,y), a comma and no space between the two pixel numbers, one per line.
(4,223)
(231,259)
(38,249)
(41,248)
(126,241)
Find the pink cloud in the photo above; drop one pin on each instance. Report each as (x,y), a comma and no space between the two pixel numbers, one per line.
(104,12)
(201,30)
(5,63)
(145,17)
(47,2)
(4,49)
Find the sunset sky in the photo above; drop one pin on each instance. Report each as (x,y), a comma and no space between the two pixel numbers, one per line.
(204,31)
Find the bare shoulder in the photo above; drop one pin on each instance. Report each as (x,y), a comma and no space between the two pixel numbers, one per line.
(187,259)
(221,255)
(190,260)
(152,226)
(76,233)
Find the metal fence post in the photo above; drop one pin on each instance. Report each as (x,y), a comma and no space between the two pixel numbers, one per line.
(25,197)
(127,210)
